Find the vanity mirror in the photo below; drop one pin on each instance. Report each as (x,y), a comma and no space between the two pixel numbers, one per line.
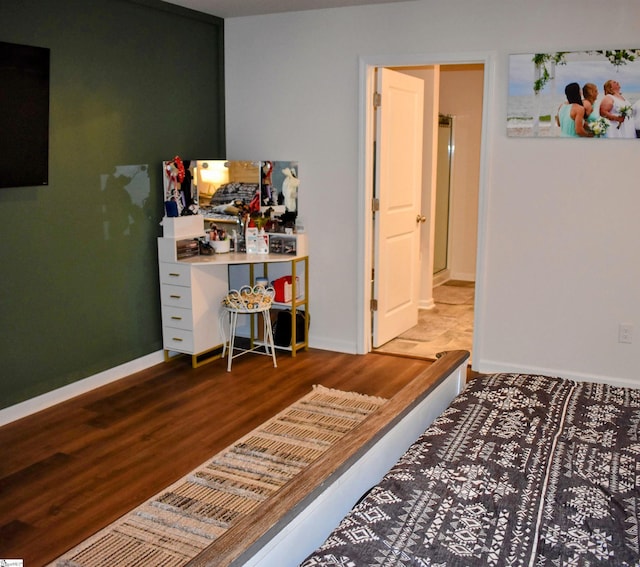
(226,190)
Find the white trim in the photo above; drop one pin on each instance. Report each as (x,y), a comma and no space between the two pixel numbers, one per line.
(488,118)
(39,403)
(441,277)
(463,276)
(426,304)
(366,80)
(366,68)
(330,344)
(492,366)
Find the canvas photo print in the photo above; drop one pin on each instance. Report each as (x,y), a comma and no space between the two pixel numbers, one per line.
(575,94)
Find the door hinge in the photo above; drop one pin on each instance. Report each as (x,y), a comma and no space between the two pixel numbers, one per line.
(377,100)
(375,204)
(374,305)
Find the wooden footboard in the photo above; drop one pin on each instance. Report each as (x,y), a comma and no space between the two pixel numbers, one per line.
(298,518)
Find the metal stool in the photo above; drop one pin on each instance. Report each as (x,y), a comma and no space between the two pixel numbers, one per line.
(248,301)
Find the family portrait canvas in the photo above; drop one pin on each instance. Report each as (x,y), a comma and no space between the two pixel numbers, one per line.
(575,94)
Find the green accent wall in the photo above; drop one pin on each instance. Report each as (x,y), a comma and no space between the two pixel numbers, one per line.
(133,83)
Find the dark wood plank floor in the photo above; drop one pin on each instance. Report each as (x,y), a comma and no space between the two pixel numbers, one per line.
(72,469)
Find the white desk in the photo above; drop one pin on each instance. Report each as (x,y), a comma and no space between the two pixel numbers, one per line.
(192,289)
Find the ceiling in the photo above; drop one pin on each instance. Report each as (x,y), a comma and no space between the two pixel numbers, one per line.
(237,8)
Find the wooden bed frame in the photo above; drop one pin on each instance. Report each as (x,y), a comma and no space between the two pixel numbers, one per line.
(292,524)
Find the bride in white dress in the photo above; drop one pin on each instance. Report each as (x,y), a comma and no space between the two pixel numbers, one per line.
(617,109)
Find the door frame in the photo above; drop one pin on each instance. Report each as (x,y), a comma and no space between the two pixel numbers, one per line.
(366,136)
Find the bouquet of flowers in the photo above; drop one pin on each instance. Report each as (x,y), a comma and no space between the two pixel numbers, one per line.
(626,112)
(598,127)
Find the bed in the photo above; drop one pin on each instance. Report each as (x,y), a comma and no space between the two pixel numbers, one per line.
(519,470)
(509,470)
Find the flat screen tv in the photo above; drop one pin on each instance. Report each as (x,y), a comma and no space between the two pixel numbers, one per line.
(24,115)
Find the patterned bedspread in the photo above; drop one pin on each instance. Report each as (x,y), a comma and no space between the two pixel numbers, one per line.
(519,470)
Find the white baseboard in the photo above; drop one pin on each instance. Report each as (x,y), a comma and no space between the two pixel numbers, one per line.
(426,304)
(28,407)
(492,366)
(463,277)
(332,345)
(441,277)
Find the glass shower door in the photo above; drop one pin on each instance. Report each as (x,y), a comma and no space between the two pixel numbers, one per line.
(443,193)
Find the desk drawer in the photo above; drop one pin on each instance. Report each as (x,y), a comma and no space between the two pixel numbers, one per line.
(177,317)
(175,274)
(175,296)
(178,340)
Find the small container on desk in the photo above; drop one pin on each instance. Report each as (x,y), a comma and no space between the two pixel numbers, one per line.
(182,227)
(187,248)
(221,246)
(290,244)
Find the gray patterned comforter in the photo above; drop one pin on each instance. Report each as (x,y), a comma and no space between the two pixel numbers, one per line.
(519,470)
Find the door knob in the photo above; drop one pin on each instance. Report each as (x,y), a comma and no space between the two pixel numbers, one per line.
(421,218)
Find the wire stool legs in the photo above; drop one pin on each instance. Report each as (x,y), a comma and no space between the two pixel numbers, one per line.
(234,351)
(249,301)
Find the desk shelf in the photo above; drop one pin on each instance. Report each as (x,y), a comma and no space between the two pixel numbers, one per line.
(192,290)
(296,267)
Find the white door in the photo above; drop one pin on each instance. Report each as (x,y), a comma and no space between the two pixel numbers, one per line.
(396,262)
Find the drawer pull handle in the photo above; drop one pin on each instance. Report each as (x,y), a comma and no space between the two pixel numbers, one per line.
(175,296)
(176,318)
(177,339)
(174,275)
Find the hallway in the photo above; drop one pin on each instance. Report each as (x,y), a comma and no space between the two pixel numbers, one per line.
(448,326)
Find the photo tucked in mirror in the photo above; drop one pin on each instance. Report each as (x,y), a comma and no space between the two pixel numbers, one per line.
(279,190)
(180,190)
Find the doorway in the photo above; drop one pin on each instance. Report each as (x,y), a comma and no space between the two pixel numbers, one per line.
(468,274)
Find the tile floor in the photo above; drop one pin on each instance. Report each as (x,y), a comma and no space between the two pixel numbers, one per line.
(448,326)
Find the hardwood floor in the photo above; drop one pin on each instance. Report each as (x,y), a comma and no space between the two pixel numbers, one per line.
(74,468)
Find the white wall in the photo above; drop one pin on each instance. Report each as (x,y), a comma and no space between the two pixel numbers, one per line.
(558,262)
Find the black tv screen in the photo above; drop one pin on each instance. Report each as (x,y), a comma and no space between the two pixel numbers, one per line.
(24,115)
